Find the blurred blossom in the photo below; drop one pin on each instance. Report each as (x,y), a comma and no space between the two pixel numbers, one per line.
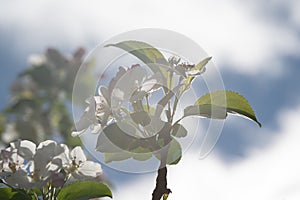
(13,165)
(25,165)
(40,98)
(36,60)
(10,133)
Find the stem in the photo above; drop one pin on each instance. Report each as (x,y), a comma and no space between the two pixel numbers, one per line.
(161,182)
(170,88)
(147,100)
(174,107)
(176,100)
(161,179)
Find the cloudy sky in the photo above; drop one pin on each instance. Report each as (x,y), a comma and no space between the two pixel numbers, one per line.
(255,44)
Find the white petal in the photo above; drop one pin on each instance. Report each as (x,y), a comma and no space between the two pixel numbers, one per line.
(148,85)
(89,169)
(78,154)
(45,154)
(11,155)
(54,166)
(25,148)
(65,156)
(47,143)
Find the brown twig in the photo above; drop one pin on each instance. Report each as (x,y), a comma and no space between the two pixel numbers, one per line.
(161,179)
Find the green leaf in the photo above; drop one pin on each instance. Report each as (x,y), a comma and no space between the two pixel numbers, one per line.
(113,138)
(84,190)
(198,69)
(119,156)
(14,194)
(179,131)
(231,102)
(119,137)
(174,153)
(140,154)
(152,57)
(141,117)
(143,51)
(206,110)
(150,110)
(202,63)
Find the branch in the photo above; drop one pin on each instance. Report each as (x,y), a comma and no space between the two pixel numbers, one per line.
(161,184)
(161,179)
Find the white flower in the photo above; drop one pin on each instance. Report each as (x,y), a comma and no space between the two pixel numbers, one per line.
(14,166)
(24,165)
(19,179)
(10,161)
(148,85)
(24,148)
(80,168)
(96,112)
(46,160)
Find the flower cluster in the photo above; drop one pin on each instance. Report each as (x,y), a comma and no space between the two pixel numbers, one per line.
(48,165)
(131,84)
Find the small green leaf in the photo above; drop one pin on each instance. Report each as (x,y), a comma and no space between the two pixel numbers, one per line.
(174,153)
(14,194)
(202,63)
(118,137)
(232,102)
(141,117)
(119,156)
(179,131)
(149,109)
(165,196)
(113,138)
(84,190)
(142,154)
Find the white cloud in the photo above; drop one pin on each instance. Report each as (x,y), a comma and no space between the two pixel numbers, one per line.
(270,173)
(232,31)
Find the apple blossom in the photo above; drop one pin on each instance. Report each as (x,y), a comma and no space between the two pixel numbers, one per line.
(79,167)
(47,168)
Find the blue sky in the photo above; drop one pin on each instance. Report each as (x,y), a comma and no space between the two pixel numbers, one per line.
(256,46)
